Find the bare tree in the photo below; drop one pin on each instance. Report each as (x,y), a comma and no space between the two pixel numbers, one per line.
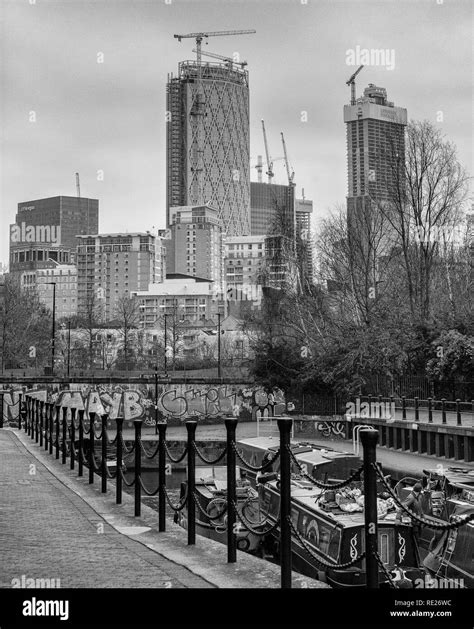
(128,316)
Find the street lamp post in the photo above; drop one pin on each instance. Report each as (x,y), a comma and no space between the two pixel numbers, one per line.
(219,344)
(53,332)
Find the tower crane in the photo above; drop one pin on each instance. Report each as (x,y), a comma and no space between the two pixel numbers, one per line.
(78,187)
(351,82)
(270,172)
(200,36)
(227,59)
(290,177)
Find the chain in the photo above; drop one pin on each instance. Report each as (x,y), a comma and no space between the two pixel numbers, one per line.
(180,458)
(109,474)
(385,571)
(352,477)
(124,447)
(209,461)
(254,468)
(323,563)
(143,449)
(125,480)
(433,524)
(181,505)
(148,492)
(250,526)
(205,513)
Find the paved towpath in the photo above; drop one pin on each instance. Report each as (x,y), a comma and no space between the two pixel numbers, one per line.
(54,525)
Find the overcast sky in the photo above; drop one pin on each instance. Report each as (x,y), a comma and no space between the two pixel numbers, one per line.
(110,116)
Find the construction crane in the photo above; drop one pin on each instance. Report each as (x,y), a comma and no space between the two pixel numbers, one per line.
(290,177)
(270,172)
(351,82)
(78,187)
(226,59)
(200,36)
(259,168)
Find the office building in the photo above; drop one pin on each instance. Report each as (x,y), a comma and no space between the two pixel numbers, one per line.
(375,149)
(44,233)
(110,266)
(195,247)
(208,143)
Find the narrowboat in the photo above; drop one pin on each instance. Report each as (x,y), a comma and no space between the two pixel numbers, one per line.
(211,494)
(330,523)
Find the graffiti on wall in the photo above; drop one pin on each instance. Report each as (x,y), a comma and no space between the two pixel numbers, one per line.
(178,401)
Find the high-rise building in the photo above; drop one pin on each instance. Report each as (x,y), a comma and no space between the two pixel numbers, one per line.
(375,148)
(44,232)
(271,206)
(195,247)
(110,266)
(208,146)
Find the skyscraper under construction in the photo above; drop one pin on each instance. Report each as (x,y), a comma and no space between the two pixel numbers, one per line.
(208,143)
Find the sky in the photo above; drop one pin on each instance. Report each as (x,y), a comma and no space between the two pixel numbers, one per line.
(62,111)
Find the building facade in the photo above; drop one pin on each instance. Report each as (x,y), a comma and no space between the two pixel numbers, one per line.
(244,262)
(375,148)
(195,247)
(44,233)
(64,277)
(181,297)
(110,266)
(208,145)
(271,206)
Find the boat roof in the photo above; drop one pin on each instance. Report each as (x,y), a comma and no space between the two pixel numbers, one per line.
(456,476)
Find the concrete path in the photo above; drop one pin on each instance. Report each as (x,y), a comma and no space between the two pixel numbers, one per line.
(54,525)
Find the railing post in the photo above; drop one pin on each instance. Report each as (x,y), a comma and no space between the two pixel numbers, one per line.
(191,428)
(46,426)
(231,425)
(58,413)
(118,478)
(1,409)
(91,447)
(404,407)
(443,410)
(458,412)
(103,463)
(284,425)
(37,421)
(80,455)
(20,405)
(162,476)
(417,410)
(138,465)
(51,427)
(41,414)
(72,433)
(430,410)
(369,399)
(380,407)
(28,413)
(369,443)
(63,459)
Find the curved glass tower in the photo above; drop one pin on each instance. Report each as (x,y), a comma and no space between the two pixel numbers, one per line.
(208,146)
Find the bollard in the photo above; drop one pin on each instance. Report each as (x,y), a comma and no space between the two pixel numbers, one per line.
(162,476)
(63,448)
(458,412)
(1,409)
(51,427)
(231,425)
(118,478)
(191,428)
(404,407)
(284,426)
(41,413)
(138,465)
(56,419)
(417,410)
(91,448)
(73,438)
(430,410)
(443,410)
(80,456)
(369,443)
(103,463)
